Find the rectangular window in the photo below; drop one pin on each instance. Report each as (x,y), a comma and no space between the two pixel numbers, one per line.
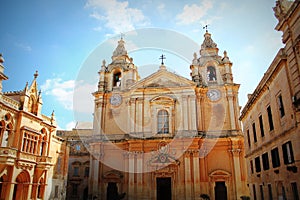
(248,136)
(77,147)
(280,106)
(163,122)
(270,192)
(275,157)
(254,133)
(257,164)
(86,171)
(261,192)
(295,191)
(265,159)
(270,118)
(254,192)
(261,125)
(288,155)
(76,171)
(56,192)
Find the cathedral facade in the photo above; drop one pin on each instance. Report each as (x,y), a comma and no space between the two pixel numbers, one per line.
(33,160)
(166,136)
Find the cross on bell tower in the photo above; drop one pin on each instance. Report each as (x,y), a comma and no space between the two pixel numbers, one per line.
(206,28)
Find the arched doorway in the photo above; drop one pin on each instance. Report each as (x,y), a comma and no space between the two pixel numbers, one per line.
(3,186)
(21,187)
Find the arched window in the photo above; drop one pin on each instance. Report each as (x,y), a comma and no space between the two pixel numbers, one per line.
(117,79)
(211,74)
(163,122)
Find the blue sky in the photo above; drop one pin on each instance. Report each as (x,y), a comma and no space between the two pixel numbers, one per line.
(57,37)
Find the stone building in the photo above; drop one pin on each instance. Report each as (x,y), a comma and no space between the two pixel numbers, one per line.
(166,136)
(271,116)
(33,160)
(79,161)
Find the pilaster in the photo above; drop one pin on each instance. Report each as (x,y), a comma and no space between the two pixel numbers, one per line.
(188,178)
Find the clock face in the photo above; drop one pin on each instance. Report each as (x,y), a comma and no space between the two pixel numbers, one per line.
(115,99)
(214,94)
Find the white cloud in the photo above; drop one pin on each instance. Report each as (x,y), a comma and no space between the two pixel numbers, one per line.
(23,46)
(73,95)
(83,98)
(118,15)
(161,7)
(70,125)
(193,13)
(61,90)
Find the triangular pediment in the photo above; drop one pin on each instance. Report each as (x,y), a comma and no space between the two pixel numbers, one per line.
(163,79)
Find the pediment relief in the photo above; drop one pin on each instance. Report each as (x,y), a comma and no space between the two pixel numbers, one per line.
(164,79)
(163,83)
(113,175)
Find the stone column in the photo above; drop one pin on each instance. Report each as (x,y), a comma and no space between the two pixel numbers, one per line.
(184,113)
(132,116)
(199,110)
(139,173)
(139,114)
(237,172)
(95,177)
(126,173)
(98,117)
(131,186)
(231,110)
(187,171)
(203,171)
(192,111)
(196,170)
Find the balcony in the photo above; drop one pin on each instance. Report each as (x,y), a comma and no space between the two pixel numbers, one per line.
(8,155)
(26,157)
(43,162)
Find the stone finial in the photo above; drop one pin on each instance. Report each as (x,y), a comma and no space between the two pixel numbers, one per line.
(1,63)
(208,42)
(120,50)
(52,119)
(36,74)
(225,54)
(1,59)
(225,59)
(195,60)
(103,66)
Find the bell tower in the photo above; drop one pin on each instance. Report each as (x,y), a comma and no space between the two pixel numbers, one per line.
(215,86)
(120,73)
(210,68)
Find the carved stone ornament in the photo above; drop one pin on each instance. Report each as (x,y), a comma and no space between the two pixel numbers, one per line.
(120,50)
(281,8)
(208,42)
